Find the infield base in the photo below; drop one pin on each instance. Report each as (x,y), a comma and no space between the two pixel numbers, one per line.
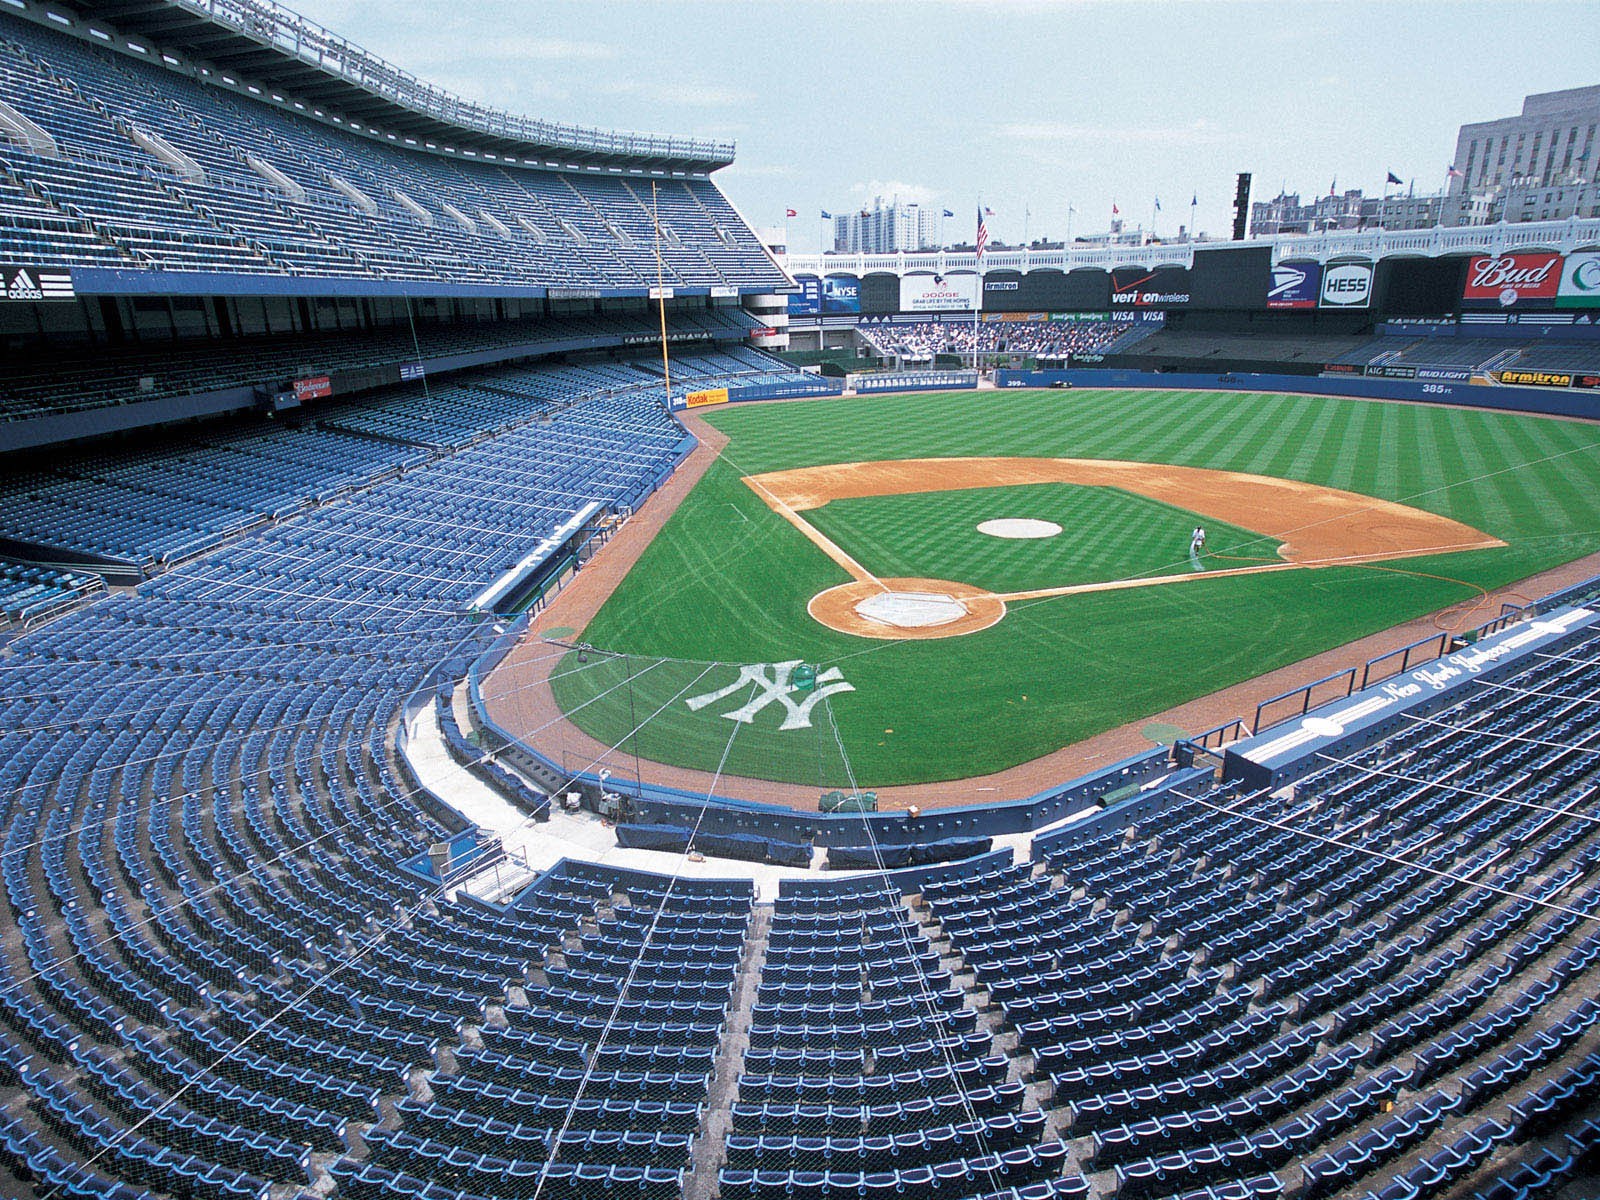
(900,609)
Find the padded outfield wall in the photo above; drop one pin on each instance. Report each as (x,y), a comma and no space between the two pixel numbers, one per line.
(1553,402)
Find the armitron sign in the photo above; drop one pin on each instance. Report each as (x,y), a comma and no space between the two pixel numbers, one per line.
(1535,378)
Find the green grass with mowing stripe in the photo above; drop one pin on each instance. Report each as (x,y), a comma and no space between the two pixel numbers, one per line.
(728,580)
(1106,533)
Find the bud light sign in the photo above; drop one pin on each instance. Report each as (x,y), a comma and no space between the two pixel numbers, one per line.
(1294,285)
(1512,281)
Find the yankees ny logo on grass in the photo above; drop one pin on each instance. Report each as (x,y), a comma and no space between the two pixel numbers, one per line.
(774,682)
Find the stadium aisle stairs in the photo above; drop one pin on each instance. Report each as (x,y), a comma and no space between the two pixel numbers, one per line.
(710,1150)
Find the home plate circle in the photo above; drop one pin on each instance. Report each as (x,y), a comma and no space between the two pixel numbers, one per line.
(911,610)
(1019,527)
(906,609)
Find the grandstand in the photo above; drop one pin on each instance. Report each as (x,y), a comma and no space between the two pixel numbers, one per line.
(920,341)
(346,380)
(245,188)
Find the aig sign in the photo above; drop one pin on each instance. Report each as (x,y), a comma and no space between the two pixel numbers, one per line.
(1348,285)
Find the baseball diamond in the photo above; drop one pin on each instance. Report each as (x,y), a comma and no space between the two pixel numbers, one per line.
(520,682)
(1329,520)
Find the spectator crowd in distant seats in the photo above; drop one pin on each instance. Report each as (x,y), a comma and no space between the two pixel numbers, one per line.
(921,341)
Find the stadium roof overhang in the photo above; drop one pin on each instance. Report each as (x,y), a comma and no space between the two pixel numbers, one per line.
(265,44)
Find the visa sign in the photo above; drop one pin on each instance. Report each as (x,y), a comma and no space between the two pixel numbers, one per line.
(1348,285)
(1294,285)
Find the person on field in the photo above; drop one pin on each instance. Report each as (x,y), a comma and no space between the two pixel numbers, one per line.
(1197,540)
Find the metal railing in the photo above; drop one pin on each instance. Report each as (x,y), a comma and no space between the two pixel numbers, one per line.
(272,24)
(1500,238)
(1345,679)
(1425,649)
(1220,735)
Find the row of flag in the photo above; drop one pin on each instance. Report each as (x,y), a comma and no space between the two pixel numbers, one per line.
(1390,180)
(790,213)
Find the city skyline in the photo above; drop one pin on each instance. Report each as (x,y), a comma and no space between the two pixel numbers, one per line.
(954,101)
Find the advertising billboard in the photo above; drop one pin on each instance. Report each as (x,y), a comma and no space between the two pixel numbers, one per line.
(1347,285)
(1580,281)
(834,294)
(807,302)
(313,387)
(1535,378)
(1142,287)
(35,283)
(1512,281)
(841,294)
(706,397)
(938,293)
(1294,285)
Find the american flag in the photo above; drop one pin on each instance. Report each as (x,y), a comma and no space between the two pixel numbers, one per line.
(982,241)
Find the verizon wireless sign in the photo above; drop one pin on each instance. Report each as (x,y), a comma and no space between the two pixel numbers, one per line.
(1512,281)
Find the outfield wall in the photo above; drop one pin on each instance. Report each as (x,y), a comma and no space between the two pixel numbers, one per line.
(1554,402)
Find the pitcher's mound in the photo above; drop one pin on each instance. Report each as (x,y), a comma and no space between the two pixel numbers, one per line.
(1019,527)
(895,609)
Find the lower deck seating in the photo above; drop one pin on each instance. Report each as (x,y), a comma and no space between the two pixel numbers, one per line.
(219,982)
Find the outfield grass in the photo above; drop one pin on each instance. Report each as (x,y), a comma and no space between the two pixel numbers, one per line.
(727,580)
(1106,533)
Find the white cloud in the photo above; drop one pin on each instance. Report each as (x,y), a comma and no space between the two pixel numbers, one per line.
(894,189)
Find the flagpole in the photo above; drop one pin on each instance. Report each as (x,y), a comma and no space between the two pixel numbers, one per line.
(977,290)
(661,290)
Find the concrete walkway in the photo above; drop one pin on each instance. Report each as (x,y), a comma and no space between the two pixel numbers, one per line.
(581,835)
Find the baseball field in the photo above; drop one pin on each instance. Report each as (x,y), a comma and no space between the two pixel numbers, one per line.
(977,578)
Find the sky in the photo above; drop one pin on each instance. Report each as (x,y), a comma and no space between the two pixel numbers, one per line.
(1030,107)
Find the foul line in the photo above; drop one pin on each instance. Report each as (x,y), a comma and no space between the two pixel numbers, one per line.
(815,536)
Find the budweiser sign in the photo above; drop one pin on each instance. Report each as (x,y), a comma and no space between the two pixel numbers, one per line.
(1512,279)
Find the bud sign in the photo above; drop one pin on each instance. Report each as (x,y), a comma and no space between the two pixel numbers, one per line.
(1509,280)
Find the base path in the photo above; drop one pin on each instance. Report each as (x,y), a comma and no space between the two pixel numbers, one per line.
(1308,525)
